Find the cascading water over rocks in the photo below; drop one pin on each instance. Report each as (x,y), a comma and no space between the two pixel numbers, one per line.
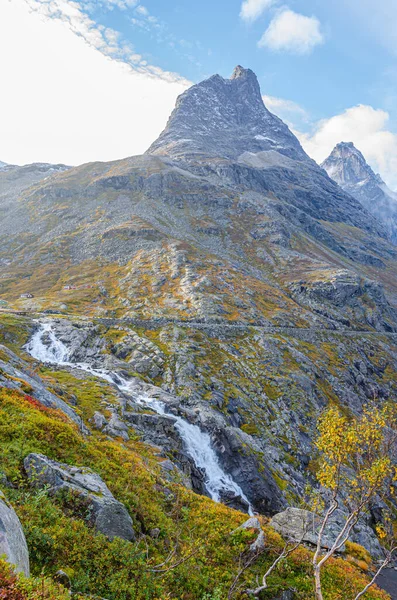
(46,347)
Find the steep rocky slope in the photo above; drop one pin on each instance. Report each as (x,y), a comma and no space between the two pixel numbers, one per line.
(349,169)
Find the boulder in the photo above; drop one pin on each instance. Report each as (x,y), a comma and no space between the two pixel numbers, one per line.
(99,420)
(12,539)
(63,579)
(116,427)
(109,516)
(298,524)
(253,523)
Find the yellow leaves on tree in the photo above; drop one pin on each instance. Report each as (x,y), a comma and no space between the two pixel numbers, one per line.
(355,452)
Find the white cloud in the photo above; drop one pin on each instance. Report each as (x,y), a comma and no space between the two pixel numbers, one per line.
(109,4)
(66,94)
(104,39)
(291,32)
(142,10)
(252,9)
(285,109)
(366,127)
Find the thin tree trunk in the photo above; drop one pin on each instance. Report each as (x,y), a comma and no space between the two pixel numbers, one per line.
(317,581)
(382,566)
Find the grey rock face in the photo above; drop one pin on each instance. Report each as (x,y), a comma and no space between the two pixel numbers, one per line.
(347,289)
(15,179)
(109,516)
(174,474)
(301,525)
(348,168)
(257,481)
(116,427)
(225,118)
(12,539)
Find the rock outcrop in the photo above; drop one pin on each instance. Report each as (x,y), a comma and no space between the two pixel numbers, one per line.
(259,544)
(107,515)
(301,525)
(12,539)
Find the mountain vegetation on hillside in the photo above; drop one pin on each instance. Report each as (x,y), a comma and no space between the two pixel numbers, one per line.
(172,328)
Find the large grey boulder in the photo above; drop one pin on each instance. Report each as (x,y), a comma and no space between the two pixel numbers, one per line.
(109,516)
(298,524)
(12,539)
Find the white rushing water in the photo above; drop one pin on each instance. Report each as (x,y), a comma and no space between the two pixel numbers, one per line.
(46,347)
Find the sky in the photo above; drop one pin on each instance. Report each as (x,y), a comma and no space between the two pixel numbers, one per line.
(86,80)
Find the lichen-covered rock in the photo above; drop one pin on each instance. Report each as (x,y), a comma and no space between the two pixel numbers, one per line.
(12,539)
(302,525)
(109,516)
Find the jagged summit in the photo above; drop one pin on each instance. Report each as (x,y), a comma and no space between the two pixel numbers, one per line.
(240,71)
(223,118)
(347,166)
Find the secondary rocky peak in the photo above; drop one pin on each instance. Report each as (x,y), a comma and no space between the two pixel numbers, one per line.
(223,118)
(347,165)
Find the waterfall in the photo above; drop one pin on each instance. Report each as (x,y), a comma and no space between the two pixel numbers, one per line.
(46,347)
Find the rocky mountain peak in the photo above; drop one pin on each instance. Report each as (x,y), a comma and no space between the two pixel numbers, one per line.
(242,76)
(240,71)
(223,118)
(347,166)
